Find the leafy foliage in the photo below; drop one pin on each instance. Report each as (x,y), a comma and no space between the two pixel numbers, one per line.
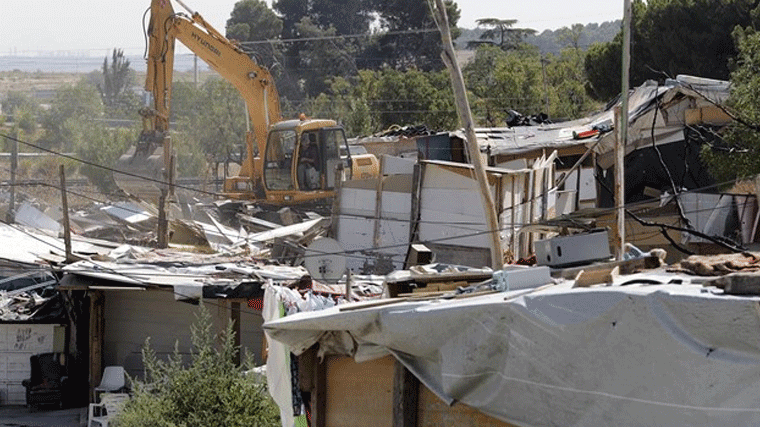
(253,20)
(71,104)
(411,97)
(22,109)
(411,39)
(116,86)
(210,391)
(100,145)
(211,124)
(500,33)
(738,155)
(528,82)
(671,37)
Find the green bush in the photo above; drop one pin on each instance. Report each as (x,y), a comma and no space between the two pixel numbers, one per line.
(210,391)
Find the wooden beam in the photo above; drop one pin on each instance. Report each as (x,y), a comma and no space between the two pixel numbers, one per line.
(406,388)
(97,326)
(319,395)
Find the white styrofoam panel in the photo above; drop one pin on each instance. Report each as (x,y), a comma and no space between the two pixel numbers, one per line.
(18,342)
(29,338)
(358,201)
(396,206)
(588,183)
(397,165)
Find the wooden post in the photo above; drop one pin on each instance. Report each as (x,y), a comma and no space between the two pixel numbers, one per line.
(465,115)
(406,389)
(378,204)
(319,394)
(97,326)
(623,133)
(11,216)
(163,229)
(66,225)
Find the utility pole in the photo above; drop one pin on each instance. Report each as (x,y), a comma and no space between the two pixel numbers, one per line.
(195,70)
(11,216)
(623,133)
(465,115)
(65,207)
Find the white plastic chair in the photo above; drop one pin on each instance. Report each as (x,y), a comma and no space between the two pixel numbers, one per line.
(113,380)
(100,413)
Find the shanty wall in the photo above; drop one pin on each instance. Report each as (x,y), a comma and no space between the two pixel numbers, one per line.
(377,393)
(132,316)
(18,342)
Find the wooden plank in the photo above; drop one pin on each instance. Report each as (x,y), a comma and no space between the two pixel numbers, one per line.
(319,396)
(359,394)
(585,278)
(405,397)
(625,267)
(433,412)
(97,326)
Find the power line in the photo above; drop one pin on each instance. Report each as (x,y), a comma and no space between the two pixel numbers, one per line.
(108,168)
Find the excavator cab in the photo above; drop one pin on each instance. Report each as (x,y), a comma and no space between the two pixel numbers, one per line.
(302,160)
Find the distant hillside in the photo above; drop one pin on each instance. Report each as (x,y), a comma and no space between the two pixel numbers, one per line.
(547,40)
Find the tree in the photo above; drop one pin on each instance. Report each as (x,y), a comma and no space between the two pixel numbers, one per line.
(253,20)
(525,81)
(116,87)
(217,131)
(22,109)
(72,103)
(571,36)
(411,38)
(501,33)
(411,97)
(346,16)
(209,391)
(738,154)
(323,57)
(99,145)
(671,37)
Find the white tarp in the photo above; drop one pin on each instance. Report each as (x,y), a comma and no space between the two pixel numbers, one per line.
(623,355)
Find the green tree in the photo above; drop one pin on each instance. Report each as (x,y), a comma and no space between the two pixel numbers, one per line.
(72,103)
(671,37)
(323,57)
(253,23)
(22,109)
(116,87)
(738,154)
(410,38)
(253,20)
(100,145)
(501,33)
(411,97)
(566,82)
(209,391)
(217,131)
(571,36)
(525,81)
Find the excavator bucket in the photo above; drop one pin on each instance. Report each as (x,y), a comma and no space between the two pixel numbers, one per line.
(143,170)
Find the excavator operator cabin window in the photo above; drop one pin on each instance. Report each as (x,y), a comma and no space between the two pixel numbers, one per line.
(332,141)
(278,160)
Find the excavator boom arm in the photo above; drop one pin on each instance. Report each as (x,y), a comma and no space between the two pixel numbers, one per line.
(254,82)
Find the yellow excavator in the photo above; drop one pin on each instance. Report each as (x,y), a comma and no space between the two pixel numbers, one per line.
(286,161)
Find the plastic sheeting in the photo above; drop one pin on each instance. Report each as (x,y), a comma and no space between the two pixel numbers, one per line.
(623,355)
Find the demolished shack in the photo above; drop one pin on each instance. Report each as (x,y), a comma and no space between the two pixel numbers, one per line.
(627,345)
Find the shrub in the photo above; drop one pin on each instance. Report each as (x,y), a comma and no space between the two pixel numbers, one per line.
(210,391)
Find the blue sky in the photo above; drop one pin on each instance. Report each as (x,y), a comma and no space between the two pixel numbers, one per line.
(94,27)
